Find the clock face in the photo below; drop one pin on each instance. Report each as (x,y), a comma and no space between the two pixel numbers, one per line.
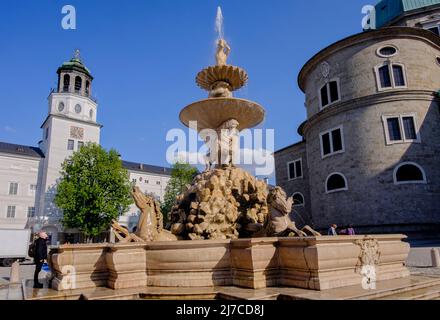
(78,108)
(61,107)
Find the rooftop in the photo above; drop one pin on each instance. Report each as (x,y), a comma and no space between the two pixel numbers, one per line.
(21,150)
(147,168)
(388,10)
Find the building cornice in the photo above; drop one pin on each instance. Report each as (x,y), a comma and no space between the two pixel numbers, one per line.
(376,35)
(296,144)
(71,119)
(375,99)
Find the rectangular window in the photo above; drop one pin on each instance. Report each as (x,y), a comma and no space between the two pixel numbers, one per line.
(70,144)
(80,144)
(401,129)
(409,128)
(158,183)
(10,212)
(32,189)
(31,212)
(385,78)
(47,133)
(399,78)
(394,129)
(332,142)
(13,188)
(329,93)
(295,169)
(391,76)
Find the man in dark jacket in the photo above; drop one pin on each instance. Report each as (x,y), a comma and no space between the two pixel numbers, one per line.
(40,254)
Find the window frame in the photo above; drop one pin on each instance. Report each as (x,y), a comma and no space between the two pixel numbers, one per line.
(336,190)
(73,145)
(332,153)
(398,183)
(391,71)
(33,213)
(7,211)
(386,46)
(304,200)
(32,192)
(388,141)
(327,85)
(288,170)
(9,188)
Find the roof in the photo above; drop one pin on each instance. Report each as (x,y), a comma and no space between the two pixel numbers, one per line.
(388,10)
(75,64)
(141,167)
(21,150)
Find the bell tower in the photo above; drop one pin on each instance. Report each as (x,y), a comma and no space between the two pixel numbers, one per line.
(71,122)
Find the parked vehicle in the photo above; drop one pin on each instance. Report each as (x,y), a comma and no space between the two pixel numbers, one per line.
(14,245)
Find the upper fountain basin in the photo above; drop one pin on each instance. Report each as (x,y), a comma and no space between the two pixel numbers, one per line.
(235,76)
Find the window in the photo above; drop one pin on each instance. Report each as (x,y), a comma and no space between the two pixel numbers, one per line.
(87,87)
(409,173)
(91,113)
(332,142)
(47,133)
(294,169)
(329,93)
(80,144)
(13,188)
(66,83)
(400,129)
(158,183)
(32,189)
(10,213)
(133,180)
(386,52)
(298,199)
(434,30)
(31,212)
(336,182)
(391,76)
(78,108)
(78,84)
(70,144)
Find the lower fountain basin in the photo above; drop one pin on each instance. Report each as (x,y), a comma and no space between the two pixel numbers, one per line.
(316,263)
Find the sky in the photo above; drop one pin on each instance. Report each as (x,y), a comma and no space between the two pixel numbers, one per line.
(145,54)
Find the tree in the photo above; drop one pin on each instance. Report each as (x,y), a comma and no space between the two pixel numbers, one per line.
(94,189)
(182,174)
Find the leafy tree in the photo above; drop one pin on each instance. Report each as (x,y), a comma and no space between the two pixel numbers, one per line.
(94,189)
(182,174)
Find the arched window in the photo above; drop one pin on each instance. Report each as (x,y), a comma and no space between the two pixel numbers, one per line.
(336,182)
(66,83)
(78,84)
(409,173)
(87,87)
(298,199)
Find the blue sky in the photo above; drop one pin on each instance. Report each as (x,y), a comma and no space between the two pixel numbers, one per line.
(145,54)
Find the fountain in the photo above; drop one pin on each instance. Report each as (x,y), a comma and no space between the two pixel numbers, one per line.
(238,229)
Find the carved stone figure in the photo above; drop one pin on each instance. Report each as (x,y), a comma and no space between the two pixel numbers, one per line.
(228,148)
(150,226)
(220,89)
(280,224)
(223,51)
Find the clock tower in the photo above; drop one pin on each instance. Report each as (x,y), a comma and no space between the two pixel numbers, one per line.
(71,122)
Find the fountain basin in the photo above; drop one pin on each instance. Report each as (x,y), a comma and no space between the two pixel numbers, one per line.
(211,113)
(317,263)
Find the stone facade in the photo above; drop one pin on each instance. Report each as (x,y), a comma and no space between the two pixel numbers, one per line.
(372,200)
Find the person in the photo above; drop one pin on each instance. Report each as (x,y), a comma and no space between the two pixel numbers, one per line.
(332,230)
(40,255)
(350,231)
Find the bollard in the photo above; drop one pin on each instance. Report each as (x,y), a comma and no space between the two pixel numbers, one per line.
(435,255)
(15,273)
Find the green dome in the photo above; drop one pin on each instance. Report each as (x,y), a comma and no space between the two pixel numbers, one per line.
(75,64)
(387,10)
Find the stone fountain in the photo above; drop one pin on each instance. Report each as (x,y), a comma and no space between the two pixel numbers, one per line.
(240,229)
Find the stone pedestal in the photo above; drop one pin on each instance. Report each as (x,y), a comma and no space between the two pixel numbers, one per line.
(317,263)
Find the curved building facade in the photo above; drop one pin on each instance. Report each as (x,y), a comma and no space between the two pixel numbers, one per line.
(371,144)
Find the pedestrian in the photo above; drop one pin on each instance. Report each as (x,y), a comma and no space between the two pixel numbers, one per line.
(40,255)
(350,231)
(332,230)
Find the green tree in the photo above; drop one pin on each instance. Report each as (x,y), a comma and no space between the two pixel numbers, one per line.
(94,189)
(182,174)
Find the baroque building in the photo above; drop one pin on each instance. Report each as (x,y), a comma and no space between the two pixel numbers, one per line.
(29,175)
(370,149)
